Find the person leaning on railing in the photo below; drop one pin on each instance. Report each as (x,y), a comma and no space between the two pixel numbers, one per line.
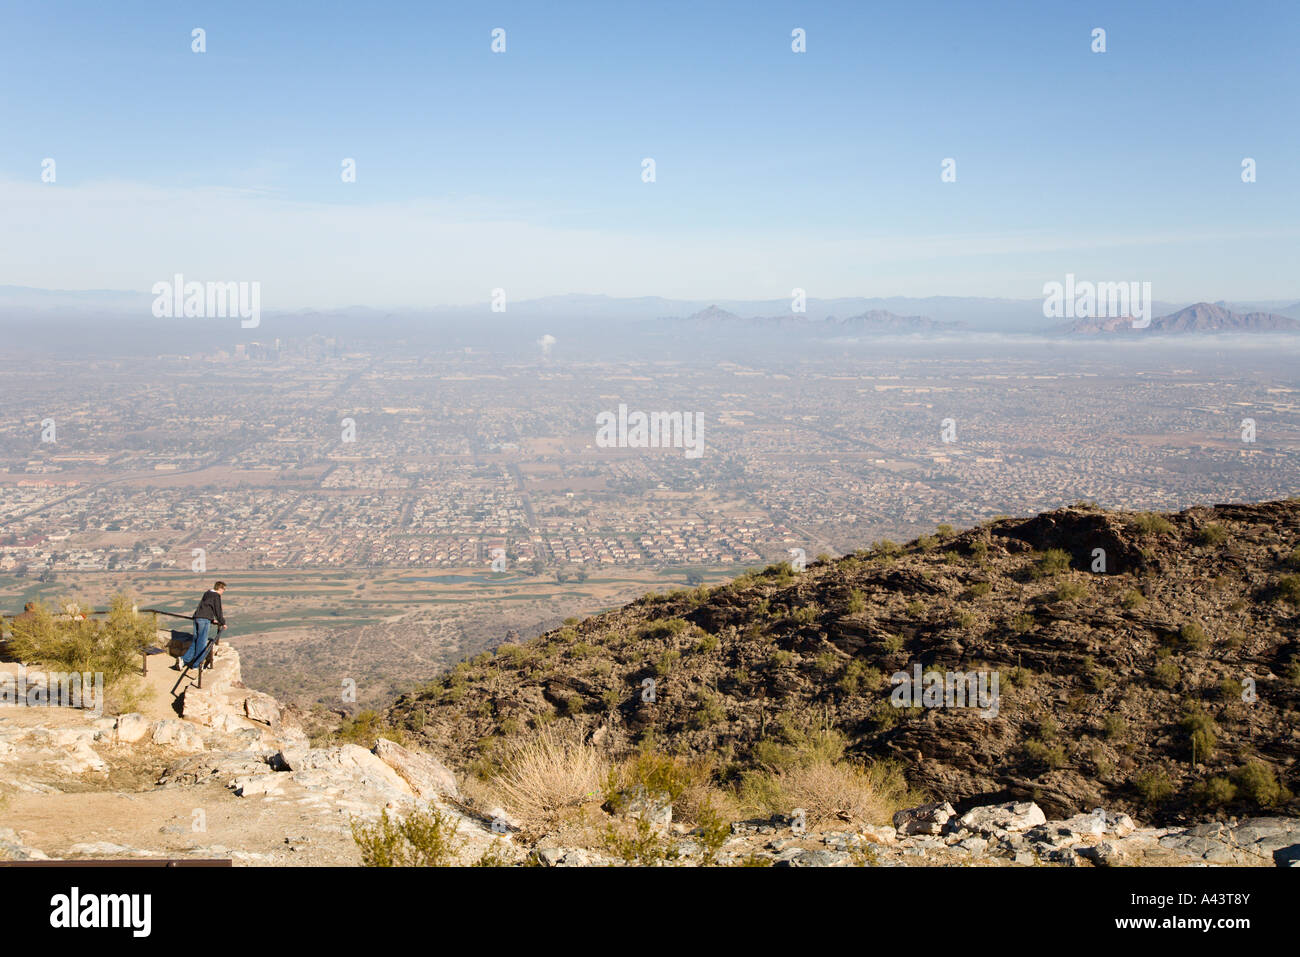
(208,611)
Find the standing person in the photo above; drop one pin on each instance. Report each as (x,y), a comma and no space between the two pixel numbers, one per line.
(209,610)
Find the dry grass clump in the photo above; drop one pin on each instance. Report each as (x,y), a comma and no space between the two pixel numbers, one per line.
(549,773)
(833,790)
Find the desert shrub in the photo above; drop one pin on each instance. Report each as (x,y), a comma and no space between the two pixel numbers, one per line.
(708,711)
(857,603)
(1114,727)
(707,643)
(664,628)
(1166,673)
(1154,785)
(980,589)
(1257,781)
(1149,523)
(637,841)
(1216,791)
(1071,591)
(548,773)
(666,662)
(827,662)
(827,790)
(1042,752)
(1133,599)
(1193,636)
(112,646)
(782,658)
(1230,689)
(1053,562)
(424,838)
(1022,623)
(1288,588)
(1212,534)
(687,784)
(796,741)
(806,614)
(713,828)
(366,727)
(1202,733)
(858,676)
(512,652)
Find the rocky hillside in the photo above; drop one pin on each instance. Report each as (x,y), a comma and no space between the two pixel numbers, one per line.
(1146,663)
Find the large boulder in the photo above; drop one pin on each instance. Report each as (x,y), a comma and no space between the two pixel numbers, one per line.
(924,819)
(994,818)
(180,735)
(131,727)
(261,708)
(351,769)
(427,776)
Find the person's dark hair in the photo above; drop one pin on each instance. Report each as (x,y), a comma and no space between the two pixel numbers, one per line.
(218,586)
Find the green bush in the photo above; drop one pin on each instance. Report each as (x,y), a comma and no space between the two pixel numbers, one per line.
(1193,636)
(112,646)
(1167,673)
(1051,755)
(1216,791)
(1258,782)
(1149,523)
(1133,599)
(1202,733)
(1154,785)
(1053,562)
(664,628)
(1071,591)
(1288,587)
(1114,727)
(1212,534)
(666,662)
(859,676)
(421,839)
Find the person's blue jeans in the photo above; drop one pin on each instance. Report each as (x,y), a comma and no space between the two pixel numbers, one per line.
(198,647)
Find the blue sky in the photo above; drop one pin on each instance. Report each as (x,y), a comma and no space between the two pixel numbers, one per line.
(774,169)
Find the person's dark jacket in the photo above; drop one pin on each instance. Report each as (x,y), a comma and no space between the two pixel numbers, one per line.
(210,608)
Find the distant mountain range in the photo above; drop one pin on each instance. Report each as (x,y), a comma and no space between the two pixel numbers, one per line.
(1200,318)
(871,322)
(575,315)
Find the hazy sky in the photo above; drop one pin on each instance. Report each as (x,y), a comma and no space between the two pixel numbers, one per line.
(774,169)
